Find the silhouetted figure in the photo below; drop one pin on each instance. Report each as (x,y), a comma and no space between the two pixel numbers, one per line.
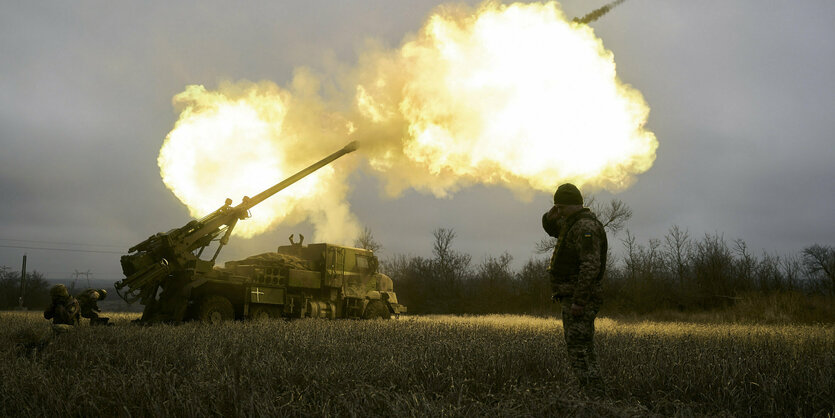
(576,268)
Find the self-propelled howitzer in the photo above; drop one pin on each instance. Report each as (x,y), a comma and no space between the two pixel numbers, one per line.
(162,271)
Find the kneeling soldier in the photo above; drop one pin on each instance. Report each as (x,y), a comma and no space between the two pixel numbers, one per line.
(64,310)
(89,305)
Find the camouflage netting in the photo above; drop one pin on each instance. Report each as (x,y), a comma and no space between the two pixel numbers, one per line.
(271,259)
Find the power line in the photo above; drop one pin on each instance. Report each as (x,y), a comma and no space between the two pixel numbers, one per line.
(63,275)
(62,243)
(59,273)
(61,249)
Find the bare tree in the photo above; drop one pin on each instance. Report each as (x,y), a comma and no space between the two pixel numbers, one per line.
(678,249)
(450,261)
(546,245)
(366,241)
(632,253)
(745,263)
(450,268)
(442,246)
(791,268)
(653,257)
(612,215)
(713,269)
(819,262)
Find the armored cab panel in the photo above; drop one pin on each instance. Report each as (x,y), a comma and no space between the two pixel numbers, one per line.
(353,268)
(267,295)
(305,278)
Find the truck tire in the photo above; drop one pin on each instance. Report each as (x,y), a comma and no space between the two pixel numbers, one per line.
(376,309)
(215,309)
(262,313)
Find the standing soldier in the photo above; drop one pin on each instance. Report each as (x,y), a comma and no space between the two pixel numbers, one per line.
(88,299)
(64,311)
(576,270)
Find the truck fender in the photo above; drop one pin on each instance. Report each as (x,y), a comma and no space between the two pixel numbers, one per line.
(186,291)
(373,295)
(389,297)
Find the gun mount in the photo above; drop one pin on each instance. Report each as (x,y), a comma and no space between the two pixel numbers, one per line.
(162,271)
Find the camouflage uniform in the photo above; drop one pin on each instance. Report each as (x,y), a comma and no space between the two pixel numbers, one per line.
(88,300)
(64,309)
(577,266)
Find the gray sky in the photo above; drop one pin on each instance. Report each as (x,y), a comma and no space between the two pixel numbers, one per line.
(741,96)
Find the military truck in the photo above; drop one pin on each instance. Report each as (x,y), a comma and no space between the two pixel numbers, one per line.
(167,275)
(316,280)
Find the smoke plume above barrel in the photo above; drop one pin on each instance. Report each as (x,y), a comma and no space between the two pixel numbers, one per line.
(510,95)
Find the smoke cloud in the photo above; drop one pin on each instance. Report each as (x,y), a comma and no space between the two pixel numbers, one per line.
(511,95)
(243,138)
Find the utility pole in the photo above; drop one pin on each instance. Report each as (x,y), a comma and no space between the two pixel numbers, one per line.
(86,274)
(22,282)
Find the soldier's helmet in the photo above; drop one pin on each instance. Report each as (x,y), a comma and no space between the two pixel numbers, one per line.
(102,294)
(59,291)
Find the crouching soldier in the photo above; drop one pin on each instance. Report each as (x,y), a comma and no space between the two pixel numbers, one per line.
(64,311)
(88,299)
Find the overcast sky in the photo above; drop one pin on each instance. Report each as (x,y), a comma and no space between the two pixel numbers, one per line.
(741,96)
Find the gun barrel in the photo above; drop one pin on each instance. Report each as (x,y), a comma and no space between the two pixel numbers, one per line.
(260,197)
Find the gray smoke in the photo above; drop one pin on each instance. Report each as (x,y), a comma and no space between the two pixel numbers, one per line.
(597,14)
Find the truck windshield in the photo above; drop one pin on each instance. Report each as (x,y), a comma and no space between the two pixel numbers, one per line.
(362,262)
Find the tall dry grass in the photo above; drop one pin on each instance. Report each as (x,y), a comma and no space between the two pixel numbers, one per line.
(415,366)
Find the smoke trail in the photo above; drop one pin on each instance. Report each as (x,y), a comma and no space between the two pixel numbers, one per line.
(597,14)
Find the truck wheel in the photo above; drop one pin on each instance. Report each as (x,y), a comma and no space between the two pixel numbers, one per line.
(376,309)
(215,309)
(262,313)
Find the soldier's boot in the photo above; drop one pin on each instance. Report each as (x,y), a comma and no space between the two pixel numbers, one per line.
(588,375)
(594,387)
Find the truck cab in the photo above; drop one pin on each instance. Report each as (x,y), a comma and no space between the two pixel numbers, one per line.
(317,280)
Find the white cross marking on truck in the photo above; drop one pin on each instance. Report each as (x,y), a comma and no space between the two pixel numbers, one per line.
(257,292)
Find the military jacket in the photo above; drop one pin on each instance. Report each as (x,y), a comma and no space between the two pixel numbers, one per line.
(579,258)
(63,311)
(88,300)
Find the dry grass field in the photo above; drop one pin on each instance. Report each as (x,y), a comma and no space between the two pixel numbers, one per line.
(414,366)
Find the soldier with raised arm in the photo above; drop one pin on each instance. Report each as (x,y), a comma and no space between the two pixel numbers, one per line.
(576,270)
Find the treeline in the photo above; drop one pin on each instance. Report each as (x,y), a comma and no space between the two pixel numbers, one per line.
(450,282)
(681,273)
(676,273)
(35,290)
